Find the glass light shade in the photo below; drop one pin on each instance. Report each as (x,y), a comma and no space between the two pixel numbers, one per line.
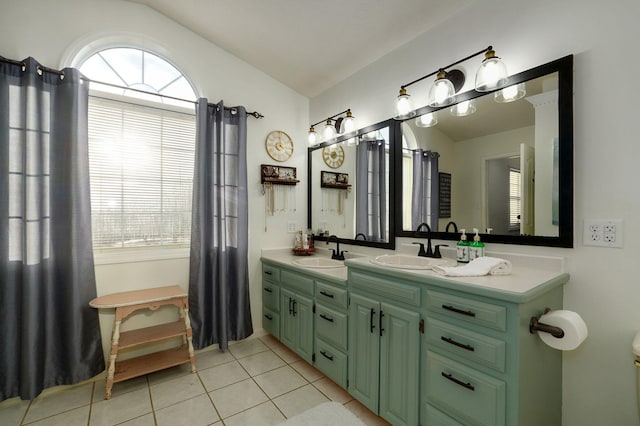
(463,108)
(442,92)
(511,93)
(492,73)
(348,124)
(427,120)
(404,106)
(312,136)
(329,131)
(352,142)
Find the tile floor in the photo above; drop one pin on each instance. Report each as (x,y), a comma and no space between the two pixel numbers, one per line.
(256,382)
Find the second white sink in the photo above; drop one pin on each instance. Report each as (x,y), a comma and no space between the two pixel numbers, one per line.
(318,262)
(403,261)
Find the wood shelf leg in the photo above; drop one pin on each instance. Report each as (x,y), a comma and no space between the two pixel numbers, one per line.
(192,355)
(115,339)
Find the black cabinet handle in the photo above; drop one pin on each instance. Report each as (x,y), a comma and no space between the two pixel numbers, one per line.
(295,309)
(324,317)
(324,293)
(290,308)
(269,317)
(324,354)
(380,323)
(268,272)
(458,381)
(458,344)
(459,311)
(371,326)
(268,290)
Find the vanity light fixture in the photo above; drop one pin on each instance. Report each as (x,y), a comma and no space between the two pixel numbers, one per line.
(427,120)
(463,108)
(510,93)
(332,129)
(491,75)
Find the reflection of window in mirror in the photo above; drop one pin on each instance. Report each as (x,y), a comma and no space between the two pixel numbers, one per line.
(514,200)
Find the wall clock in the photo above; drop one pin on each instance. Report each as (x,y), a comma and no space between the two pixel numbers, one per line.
(279,145)
(333,156)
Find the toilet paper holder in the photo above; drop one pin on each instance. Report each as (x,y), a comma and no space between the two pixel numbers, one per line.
(535,326)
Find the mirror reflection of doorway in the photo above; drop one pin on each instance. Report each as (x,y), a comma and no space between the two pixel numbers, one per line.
(510,190)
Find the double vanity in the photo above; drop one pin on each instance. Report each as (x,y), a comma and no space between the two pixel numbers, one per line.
(419,348)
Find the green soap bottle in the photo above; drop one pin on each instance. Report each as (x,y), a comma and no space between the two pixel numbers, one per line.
(476,248)
(462,248)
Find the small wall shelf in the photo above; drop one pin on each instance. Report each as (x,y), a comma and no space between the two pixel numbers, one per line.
(334,180)
(278,175)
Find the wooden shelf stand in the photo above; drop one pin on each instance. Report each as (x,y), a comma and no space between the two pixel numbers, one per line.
(125,304)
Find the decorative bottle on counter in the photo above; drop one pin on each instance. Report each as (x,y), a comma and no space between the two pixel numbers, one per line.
(476,248)
(462,248)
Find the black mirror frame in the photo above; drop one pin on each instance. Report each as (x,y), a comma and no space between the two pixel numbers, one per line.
(564,68)
(395,135)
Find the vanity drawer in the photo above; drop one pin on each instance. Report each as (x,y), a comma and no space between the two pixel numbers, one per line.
(332,362)
(331,326)
(271,322)
(475,347)
(435,417)
(299,283)
(468,310)
(384,287)
(467,395)
(271,296)
(331,295)
(270,273)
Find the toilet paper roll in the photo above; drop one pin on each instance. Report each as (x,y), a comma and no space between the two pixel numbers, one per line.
(575,330)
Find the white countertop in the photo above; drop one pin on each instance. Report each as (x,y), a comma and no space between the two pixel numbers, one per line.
(530,274)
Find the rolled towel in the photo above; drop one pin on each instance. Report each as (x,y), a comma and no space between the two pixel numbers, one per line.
(478,267)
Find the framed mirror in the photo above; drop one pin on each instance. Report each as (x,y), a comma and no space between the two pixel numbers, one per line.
(503,164)
(351,182)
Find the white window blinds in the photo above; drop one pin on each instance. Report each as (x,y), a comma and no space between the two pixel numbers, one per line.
(141,173)
(514,199)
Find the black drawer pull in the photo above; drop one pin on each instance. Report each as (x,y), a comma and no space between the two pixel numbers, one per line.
(371,326)
(269,317)
(458,311)
(458,382)
(324,293)
(268,290)
(268,272)
(324,354)
(324,317)
(458,344)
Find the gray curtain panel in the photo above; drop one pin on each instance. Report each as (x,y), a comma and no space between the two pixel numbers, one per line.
(371,191)
(49,335)
(425,200)
(218,273)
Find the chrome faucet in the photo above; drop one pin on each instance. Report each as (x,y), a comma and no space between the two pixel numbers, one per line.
(336,253)
(429,251)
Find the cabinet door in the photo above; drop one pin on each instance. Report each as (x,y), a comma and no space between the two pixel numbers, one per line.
(303,316)
(288,325)
(399,364)
(364,350)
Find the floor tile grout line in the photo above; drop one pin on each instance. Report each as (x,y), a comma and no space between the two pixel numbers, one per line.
(209,394)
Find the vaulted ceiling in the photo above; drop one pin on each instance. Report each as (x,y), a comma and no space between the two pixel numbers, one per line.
(308,45)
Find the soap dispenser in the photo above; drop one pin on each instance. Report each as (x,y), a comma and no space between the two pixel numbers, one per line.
(476,248)
(462,248)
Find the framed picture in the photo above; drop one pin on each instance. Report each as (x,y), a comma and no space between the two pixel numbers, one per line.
(444,194)
(334,180)
(278,174)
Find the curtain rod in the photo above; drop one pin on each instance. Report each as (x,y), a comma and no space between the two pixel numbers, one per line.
(254,114)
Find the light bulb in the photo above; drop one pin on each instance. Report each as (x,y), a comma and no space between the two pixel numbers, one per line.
(463,108)
(404,106)
(329,131)
(492,73)
(442,91)
(511,93)
(312,136)
(427,120)
(348,124)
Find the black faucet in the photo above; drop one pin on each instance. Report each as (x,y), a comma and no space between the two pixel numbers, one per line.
(455,227)
(336,253)
(429,251)
(360,234)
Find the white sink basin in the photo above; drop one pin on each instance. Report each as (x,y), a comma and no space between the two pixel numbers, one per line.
(318,263)
(403,261)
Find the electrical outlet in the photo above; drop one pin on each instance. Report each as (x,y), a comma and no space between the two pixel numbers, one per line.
(292,227)
(602,232)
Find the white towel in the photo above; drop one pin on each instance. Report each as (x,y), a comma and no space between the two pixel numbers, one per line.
(481,266)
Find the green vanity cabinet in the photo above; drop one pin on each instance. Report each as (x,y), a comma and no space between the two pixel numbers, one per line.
(331,330)
(384,347)
(296,313)
(271,300)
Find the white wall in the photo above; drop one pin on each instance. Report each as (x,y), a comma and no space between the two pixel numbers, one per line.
(54,32)
(599,377)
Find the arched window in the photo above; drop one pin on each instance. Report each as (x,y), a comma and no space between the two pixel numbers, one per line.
(141,149)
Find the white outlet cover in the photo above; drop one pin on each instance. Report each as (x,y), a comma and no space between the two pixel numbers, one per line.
(602,232)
